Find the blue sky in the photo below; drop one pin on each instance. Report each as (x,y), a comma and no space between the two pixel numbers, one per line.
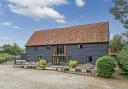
(19,18)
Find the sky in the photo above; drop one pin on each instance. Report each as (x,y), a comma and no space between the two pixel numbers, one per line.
(20,18)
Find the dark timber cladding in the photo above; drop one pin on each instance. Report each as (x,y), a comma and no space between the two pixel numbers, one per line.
(84,42)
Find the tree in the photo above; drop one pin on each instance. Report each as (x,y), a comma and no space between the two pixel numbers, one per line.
(120,11)
(125,37)
(7,48)
(16,50)
(1,50)
(116,44)
(12,49)
(123,59)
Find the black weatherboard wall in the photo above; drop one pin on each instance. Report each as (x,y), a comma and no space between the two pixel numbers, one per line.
(81,52)
(39,51)
(88,50)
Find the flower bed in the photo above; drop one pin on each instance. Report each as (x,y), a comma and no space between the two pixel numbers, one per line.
(86,69)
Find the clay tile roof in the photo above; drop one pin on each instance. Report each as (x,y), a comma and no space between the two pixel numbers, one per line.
(90,33)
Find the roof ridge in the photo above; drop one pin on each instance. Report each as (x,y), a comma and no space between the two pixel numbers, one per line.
(72,26)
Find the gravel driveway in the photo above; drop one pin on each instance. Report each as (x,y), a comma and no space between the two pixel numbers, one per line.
(14,78)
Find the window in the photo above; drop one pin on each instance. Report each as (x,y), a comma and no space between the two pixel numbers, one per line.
(28,58)
(80,46)
(40,57)
(28,48)
(48,48)
(69,57)
(60,49)
(89,59)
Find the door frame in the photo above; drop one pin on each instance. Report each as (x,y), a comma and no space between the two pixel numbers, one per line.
(56,57)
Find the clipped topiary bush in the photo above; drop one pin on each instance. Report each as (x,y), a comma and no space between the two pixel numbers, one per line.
(105,66)
(73,63)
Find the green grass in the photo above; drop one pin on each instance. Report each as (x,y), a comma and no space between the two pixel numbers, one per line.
(123,75)
(3,56)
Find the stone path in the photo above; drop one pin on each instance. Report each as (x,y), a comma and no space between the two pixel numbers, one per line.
(15,78)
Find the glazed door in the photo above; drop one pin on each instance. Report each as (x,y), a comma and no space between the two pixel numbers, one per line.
(59,55)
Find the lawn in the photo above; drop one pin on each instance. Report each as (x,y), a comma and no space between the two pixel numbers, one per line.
(3,56)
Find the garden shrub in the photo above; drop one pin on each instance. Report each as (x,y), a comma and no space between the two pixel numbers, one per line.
(123,59)
(105,66)
(43,62)
(66,65)
(72,63)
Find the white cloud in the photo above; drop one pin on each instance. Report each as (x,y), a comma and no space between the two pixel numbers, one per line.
(9,24)
(80,3)
(30,3)
(15,27)
(82,16)
(38,12)
(63,26)
(5,40)
(6,24)
(42,9)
